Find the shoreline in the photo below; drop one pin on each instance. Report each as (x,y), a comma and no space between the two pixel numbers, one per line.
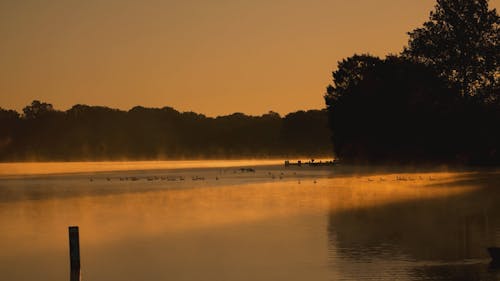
(20,170)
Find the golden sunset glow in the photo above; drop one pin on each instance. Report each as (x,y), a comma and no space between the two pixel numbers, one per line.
(249,140)
(211,57)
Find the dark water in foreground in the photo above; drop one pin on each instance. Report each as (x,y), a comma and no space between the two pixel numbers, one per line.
(312,224)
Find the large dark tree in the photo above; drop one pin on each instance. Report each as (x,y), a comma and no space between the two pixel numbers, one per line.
(437,102)
(391,110)
(461,40)
(349,73)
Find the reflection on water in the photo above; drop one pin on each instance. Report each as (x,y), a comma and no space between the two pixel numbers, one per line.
(274,224)
(443,238)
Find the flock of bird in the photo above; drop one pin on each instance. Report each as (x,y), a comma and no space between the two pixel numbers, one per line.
(151,178)
(403,178)
(278,175)
(273,176)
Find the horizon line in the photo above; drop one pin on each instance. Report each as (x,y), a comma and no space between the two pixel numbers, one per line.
(20,111)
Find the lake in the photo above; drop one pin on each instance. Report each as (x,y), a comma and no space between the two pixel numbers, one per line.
(212,220)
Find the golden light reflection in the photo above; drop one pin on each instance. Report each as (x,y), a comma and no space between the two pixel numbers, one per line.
(112,218)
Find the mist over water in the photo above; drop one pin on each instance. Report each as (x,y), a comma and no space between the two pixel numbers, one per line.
(224,223)
(46,168)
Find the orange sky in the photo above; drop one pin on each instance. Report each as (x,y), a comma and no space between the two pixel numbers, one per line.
(213,57)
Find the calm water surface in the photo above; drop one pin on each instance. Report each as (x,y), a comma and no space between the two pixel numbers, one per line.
(338,223)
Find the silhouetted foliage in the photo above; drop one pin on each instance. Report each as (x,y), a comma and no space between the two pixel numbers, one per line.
(397,110)
(9,129)
(391,109)
(462,41)
(438,102)
(37,109)
(302,133)
(97,133)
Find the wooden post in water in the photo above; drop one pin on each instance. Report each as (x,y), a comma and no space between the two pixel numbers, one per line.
(74,253)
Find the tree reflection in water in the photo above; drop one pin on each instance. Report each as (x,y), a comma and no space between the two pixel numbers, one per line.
(442,238)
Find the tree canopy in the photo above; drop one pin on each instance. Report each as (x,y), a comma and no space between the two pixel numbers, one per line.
(438,101)
(100,133)
(462,41)
(393,109)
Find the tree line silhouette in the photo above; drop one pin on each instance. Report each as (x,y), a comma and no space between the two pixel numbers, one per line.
(84,132)
(436,101)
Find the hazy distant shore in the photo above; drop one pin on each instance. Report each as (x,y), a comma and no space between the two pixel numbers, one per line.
(97,133)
